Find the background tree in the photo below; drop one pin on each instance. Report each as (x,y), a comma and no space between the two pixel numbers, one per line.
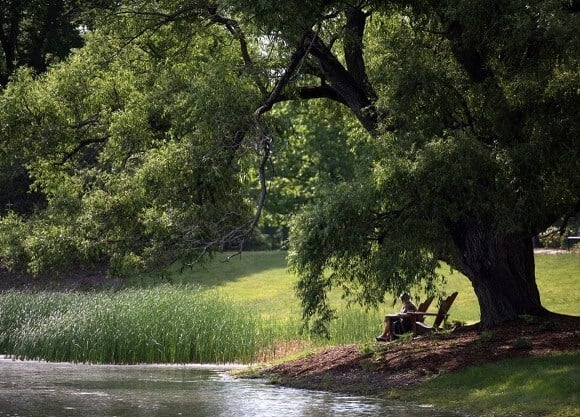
(310,154)
(125,144)
(475,139)
(35,34)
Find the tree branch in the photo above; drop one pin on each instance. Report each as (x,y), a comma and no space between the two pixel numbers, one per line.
(88,121)
(468,56)
(250,226)
(81,145)
(306,93)
(474,61)
(353,49)
(295,62)
(158,19)
(242,233)
(234,28)
(344,83)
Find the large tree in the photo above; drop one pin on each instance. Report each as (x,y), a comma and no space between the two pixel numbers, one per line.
(141,141)
(36,34)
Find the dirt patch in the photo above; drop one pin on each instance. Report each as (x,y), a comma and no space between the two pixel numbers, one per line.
(395,365)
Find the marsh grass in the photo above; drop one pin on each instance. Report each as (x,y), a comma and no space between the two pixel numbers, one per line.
(164,324)
(355,325)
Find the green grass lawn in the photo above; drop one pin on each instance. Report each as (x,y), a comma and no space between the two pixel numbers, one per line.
(260,279)
(263,280)
(558,279)
(541,386)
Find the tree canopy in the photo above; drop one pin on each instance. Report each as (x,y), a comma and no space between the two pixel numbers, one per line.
(437,131)
(36,34)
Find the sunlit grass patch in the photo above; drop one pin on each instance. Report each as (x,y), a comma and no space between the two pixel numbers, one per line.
(523,386)
(262,280)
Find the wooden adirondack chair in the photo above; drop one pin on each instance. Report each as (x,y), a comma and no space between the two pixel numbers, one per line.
(423,309)
(417,317)
(420,327)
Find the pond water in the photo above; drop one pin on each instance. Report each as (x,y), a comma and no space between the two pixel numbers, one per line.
(40,389)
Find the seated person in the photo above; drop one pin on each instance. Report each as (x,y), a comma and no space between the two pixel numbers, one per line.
(396,324)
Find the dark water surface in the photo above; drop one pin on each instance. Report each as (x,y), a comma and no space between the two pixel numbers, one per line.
(40,389)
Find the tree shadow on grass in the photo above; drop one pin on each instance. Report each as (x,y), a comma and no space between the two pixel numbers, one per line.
(215,272)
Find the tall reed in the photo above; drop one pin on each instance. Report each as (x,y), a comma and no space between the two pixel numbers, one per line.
(356,325)
(156,325)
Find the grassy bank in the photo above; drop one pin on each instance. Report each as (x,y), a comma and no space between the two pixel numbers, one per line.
(544,386)
(245,311)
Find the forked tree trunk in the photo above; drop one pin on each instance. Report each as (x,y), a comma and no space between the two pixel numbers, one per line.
(501,269)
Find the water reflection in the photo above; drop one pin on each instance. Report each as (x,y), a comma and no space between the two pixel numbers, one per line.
(35,389)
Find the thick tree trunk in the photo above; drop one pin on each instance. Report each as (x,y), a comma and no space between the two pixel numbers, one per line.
(501,269)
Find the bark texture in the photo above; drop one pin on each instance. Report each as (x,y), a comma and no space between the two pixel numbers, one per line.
(501,269)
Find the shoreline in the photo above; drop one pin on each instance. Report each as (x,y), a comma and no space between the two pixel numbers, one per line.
(381,369)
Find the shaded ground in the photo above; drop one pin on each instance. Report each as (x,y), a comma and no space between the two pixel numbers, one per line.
(384,366)
(81,279)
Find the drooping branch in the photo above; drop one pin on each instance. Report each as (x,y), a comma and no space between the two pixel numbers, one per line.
(240,235)
(246,230)
(81,145)
(157,19)
(87,122)
(234,29)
